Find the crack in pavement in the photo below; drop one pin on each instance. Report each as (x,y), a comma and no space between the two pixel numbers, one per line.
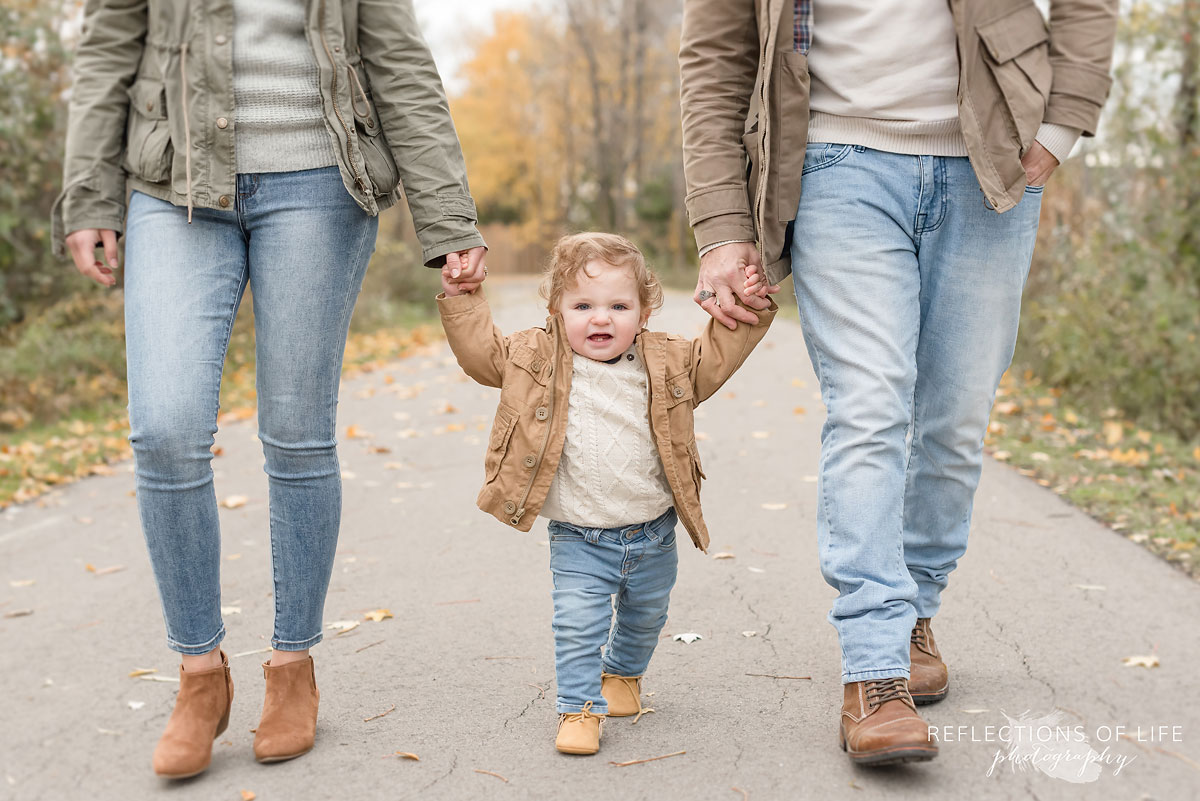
(453,767)
(540,696)
(740,597)
(1016,646)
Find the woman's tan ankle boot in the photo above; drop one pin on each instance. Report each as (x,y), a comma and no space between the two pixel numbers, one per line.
(201,714)
(289,718)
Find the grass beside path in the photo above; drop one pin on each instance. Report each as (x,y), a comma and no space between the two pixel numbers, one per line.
(1143,484)
(41,456)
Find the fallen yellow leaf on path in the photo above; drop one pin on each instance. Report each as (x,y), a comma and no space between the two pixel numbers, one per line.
(354,432)
(234,501)
(1150,661)
(407,755)
(774,507)
(248,795)
(133,674)
(378,614)
(723,555)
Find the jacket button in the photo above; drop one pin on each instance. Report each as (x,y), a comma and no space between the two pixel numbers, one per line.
(220,39)
(224,201)
(509,507)
(630,357)
(337,48)
(677,391)
(530,461)
(541,413)
(222,122)
(370,122)
(536,365)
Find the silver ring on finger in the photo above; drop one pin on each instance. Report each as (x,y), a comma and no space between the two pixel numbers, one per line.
(705,294)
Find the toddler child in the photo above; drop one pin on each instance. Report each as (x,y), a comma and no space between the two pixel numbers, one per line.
(594,432)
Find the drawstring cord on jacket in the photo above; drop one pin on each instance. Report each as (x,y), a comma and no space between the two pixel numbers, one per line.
(187,129)
(361,91)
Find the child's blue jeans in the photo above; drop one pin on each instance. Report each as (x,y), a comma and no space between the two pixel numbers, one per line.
(635,563)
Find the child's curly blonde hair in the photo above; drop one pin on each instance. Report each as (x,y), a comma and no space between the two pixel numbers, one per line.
(572,253)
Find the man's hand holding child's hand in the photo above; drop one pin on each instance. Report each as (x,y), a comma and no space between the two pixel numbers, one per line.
(463,271)
(756,282)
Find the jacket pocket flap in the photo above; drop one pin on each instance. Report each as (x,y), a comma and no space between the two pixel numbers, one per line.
(1012,34)
(148,97)
(679,389)
(530,361)
(502,427)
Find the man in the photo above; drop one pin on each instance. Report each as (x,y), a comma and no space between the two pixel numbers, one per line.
(923,131)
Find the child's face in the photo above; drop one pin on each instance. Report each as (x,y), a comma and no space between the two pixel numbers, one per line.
(602,313)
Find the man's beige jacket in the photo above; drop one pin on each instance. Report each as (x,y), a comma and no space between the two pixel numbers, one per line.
(745,90)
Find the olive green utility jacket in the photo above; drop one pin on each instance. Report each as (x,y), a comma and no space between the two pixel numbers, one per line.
(745,90)
(533,369)
(152,109)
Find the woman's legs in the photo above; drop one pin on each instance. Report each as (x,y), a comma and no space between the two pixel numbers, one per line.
(309,245)
(183,284)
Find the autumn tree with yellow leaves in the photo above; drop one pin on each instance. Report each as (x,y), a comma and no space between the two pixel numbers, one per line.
(570,120)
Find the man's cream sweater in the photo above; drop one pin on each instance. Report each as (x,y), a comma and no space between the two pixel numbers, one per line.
(885,76)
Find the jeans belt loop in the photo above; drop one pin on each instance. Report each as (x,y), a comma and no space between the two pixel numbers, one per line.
(591,535)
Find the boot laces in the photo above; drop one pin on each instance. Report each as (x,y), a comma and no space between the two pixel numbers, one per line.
(582,715)
(880,691)
(918,637)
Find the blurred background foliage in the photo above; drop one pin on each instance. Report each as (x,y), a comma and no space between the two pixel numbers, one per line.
(569,117)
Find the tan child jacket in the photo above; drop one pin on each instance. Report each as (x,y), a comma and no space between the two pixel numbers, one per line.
(533,370)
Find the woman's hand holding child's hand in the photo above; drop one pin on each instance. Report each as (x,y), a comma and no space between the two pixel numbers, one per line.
(463,272)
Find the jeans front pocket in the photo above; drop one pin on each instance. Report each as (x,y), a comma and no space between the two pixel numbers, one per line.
(819,155)
(667,542)
(563,532)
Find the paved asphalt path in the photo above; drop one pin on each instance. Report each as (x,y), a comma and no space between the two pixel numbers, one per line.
(1038,617)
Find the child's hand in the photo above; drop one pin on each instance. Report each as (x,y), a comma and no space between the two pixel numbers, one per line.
(756,283)
(463,272)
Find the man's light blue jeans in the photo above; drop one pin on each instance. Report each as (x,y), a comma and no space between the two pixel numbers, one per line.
(636,564)
(302,245)
(909,291)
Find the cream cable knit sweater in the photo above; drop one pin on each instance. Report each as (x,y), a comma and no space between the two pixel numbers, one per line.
(610,473)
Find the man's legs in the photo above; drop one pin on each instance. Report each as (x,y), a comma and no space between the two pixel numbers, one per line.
(973,268)
(858,285)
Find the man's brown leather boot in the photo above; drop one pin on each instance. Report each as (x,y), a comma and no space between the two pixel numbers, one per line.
(880,725)
(289,719)
(929,679)
(201,713)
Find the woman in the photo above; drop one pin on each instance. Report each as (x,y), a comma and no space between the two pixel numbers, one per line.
(260,139)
